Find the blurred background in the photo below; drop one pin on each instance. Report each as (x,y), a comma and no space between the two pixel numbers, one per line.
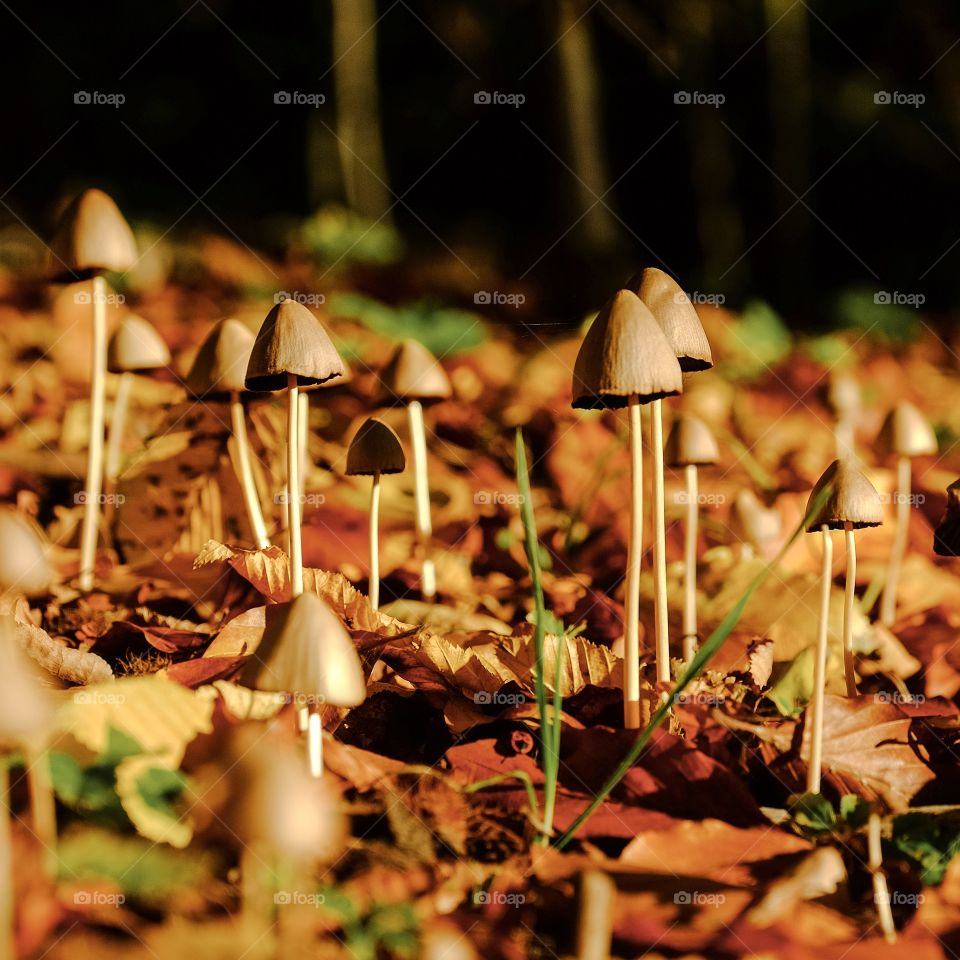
(805,154)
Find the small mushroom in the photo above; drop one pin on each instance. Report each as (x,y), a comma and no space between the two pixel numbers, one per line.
(691,445)
(219,369)
(946,538)
(852,504)
(292,349)
(375,450)
(306,651)
(413,378)
(24,568)
(678,320)
(91,238)
(624,361)
(135,347)
(905,434)
(756,527)
(844,399)
(597,900)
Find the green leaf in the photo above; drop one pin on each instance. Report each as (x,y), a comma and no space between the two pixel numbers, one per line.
(792,691)
(759,339)
(928,840)
(854,810)
(813,812)
(336,235)
(150,793)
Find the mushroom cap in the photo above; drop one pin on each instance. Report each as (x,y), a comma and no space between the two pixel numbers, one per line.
(91,236)
(906,432)
(306,650)
(946,538)
(624,353)
(677,318)
(221,362)
(853,500)
(375,449)
(136,345)
(27,709)
(23,562)
(843,394)
(691,443)
(413,373)
(291,340)
(752,522)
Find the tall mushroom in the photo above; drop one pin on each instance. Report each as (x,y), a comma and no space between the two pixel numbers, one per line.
(413,378)
(135,347)
(758,528)
(853,503)
(905,434)
(92,237)
(691,445)
(292,349)
(219,370)
(680,324)
(624,361)
(307,652)
(373,451)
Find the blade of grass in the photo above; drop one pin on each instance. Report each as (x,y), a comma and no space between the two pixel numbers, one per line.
(700,660)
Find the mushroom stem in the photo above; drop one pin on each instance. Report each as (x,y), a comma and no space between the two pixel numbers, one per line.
(303,432)
(7,948)
(375,542)
(843,432)
(815,709)
(293,486)
(418,441)
(661,621)
(94,481)
(245,474)
(43,810)
(888,602)
(598,895)
(315,743)
(881,894)
(631,639)
(690,565)
(849,595)
(118,419)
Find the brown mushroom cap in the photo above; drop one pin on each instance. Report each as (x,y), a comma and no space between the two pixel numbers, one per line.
(946,538)
(306,650)
(23,562)
(91,236)
(906,432)
(691,443)
(413,373)
(291,341)
(375,449)
(136,345)
(853,499)
(677,317)
(624,353)
(221,362)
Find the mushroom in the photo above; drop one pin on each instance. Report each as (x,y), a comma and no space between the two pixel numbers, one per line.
(375,450)
(24,568)
(135,347)
(597,901)
(413,378)
(624,361)
(852,504)
(679,322)
(691,445)
(307,652)
(91,238)
(755,526)
(905,434)
(292,349)
(946,538)
(219,369)
(843,398)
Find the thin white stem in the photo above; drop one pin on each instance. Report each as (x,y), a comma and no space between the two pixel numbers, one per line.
(293,486)
(375,542)
(94,482)
(843,432)
(888,602)
(598,897)
(43,809)
(245,474)
(849,596)
(418,442)
(303,435)
(881,894)
(660,611)
(118,420)
(690,565)
(631,639)
(315,743)
(815,708)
